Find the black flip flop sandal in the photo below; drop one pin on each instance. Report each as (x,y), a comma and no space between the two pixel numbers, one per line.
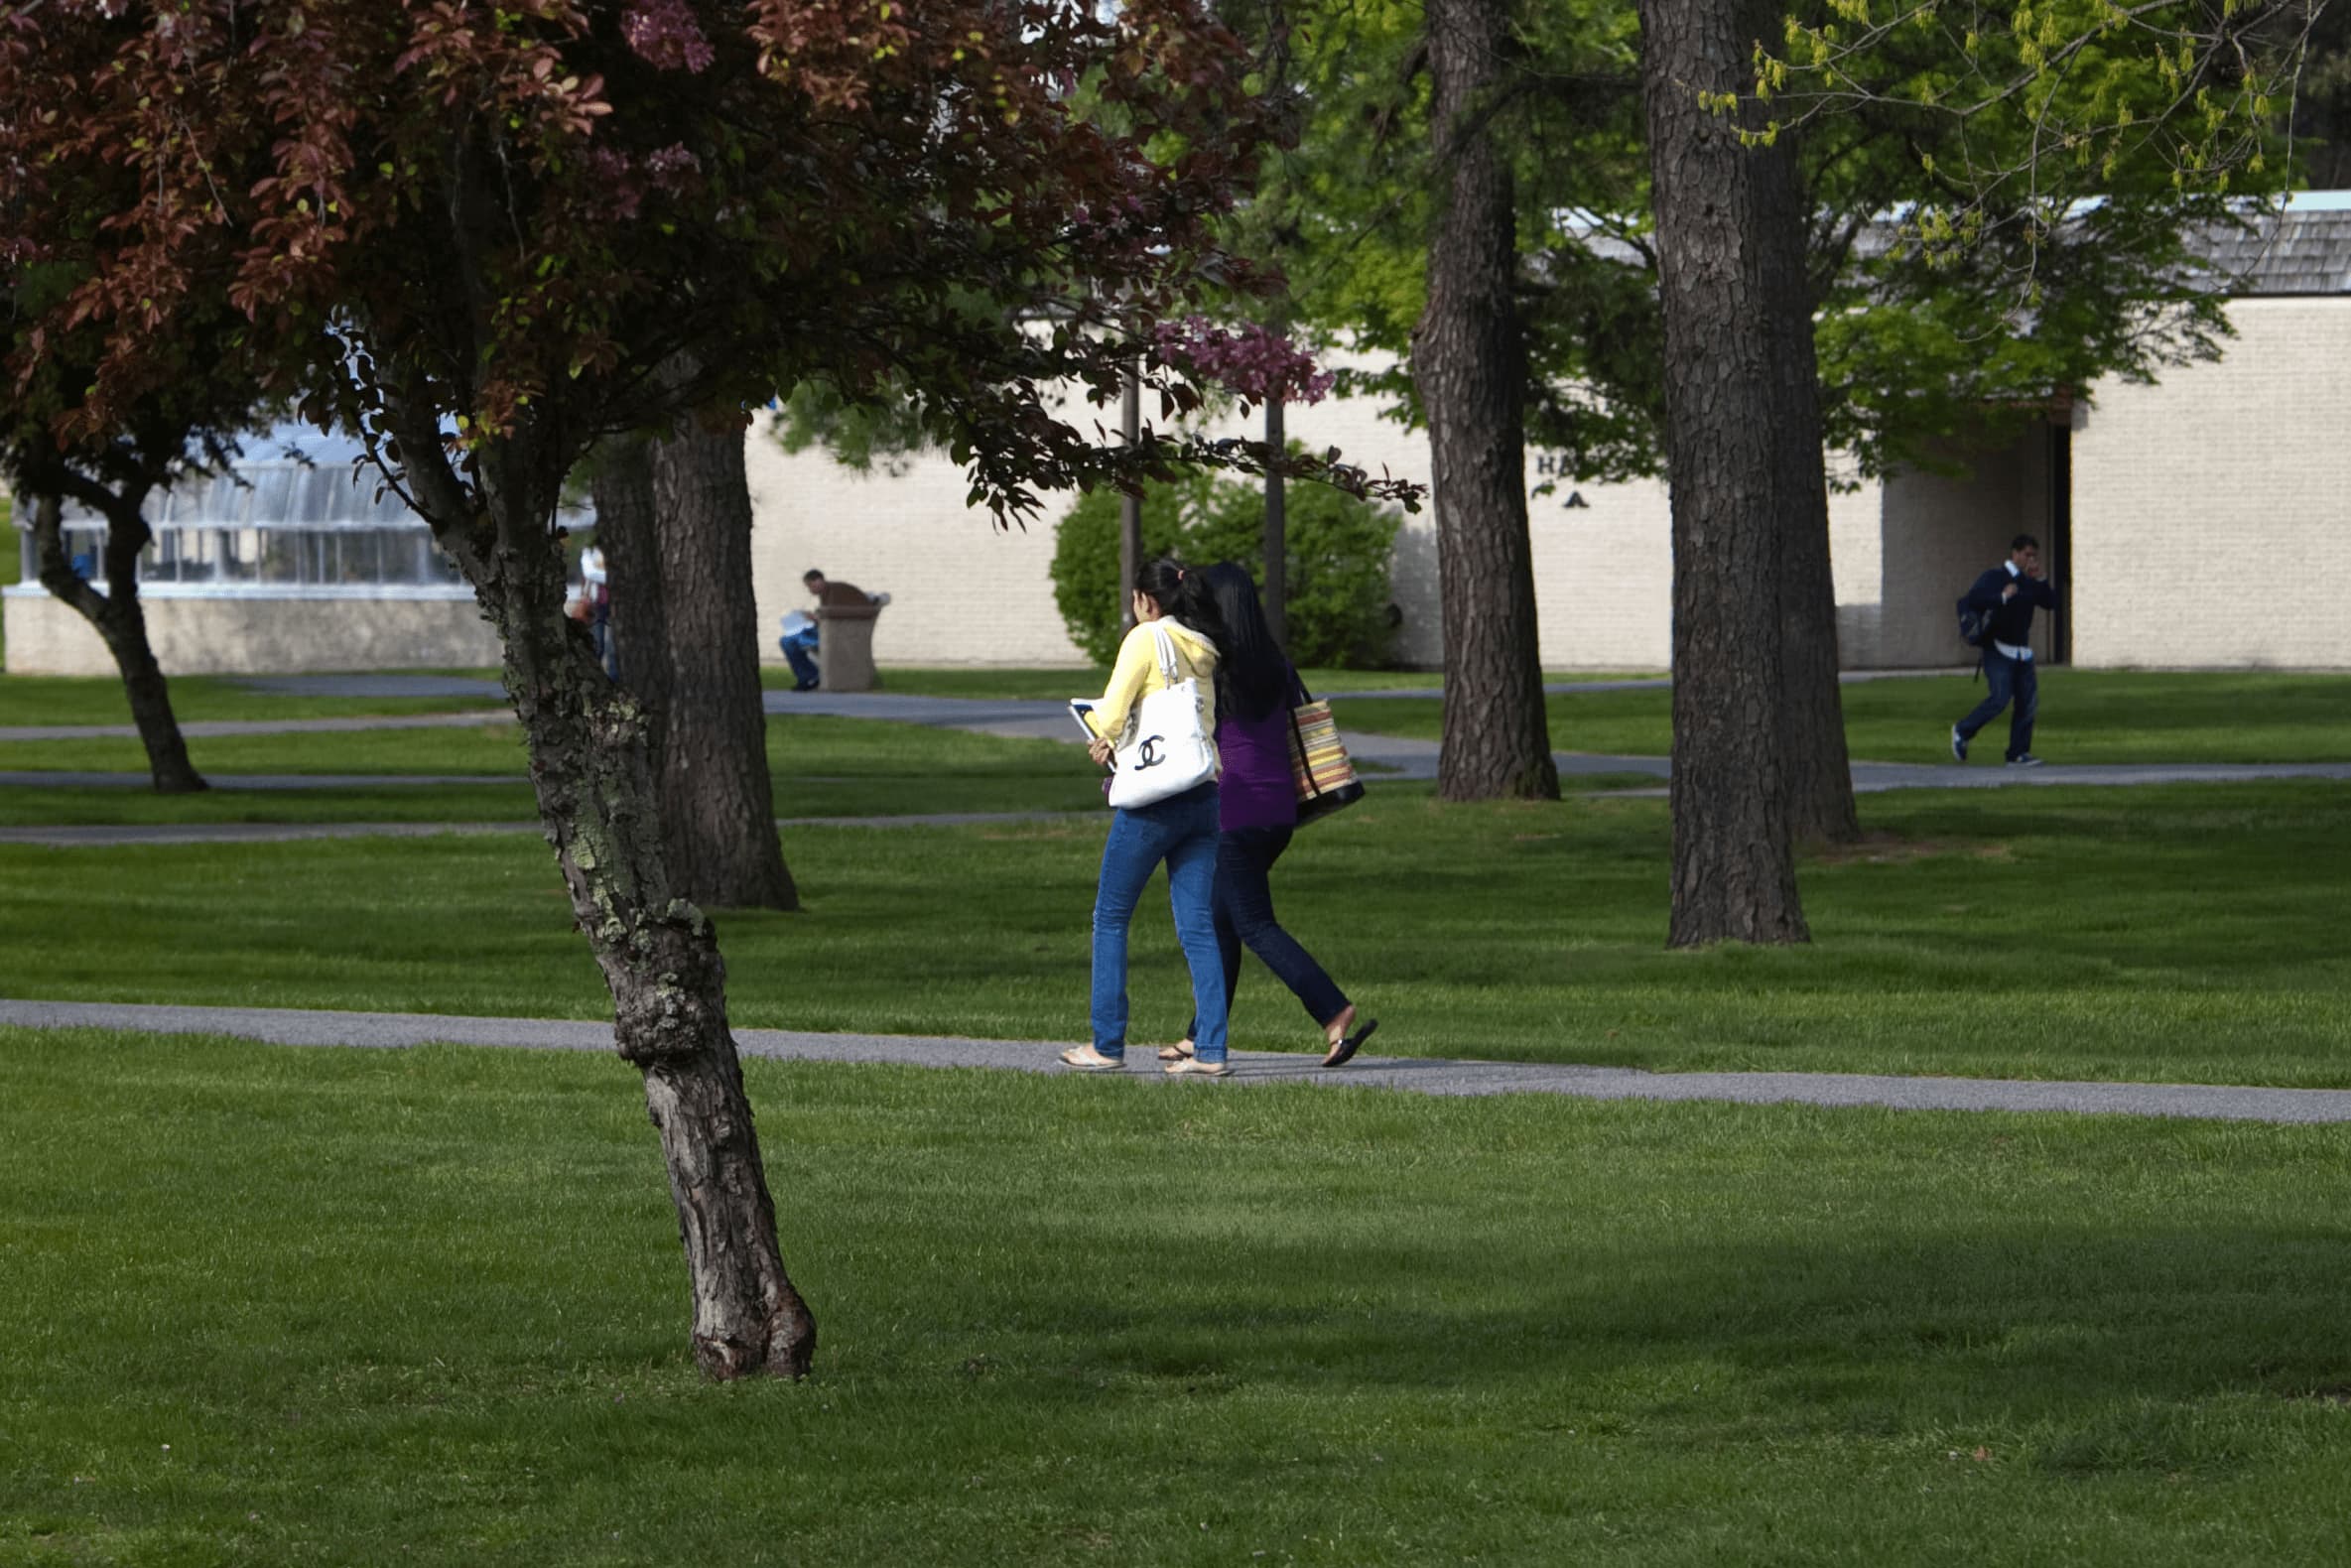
(1347,1047)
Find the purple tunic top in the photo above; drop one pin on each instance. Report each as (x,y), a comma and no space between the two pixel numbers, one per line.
(1256,789)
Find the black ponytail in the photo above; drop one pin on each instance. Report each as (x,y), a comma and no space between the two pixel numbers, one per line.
(1182,595)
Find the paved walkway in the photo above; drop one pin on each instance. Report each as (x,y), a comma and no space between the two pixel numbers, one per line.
(1044,718)
(1415,1074)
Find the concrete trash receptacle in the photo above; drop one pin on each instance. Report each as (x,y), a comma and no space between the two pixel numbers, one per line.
(845,647)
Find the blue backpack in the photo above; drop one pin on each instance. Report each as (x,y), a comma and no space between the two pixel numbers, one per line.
(1974,625)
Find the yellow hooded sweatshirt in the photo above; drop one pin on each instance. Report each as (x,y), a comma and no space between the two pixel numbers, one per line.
(1138,673)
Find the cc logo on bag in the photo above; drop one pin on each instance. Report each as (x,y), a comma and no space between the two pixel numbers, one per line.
(1147,754)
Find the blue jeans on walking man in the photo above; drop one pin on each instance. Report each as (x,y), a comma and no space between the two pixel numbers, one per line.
(1182,831)
(2009,680)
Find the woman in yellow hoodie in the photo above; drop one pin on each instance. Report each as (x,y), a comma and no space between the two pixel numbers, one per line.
(1180,830)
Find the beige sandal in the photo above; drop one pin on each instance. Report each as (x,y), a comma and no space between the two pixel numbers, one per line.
(1176,1052)
(1092,1060)
(1193,1066)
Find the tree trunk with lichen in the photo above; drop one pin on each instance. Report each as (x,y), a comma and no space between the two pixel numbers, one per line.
(591,766)
(120,621)
(592,772)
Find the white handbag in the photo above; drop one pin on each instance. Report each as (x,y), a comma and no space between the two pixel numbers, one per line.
(1164,751)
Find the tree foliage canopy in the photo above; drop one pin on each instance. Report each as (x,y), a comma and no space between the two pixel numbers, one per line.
(2005,202)
(536,222)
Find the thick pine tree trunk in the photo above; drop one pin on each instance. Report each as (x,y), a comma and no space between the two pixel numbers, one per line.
(717,802)
(1726,366)
(1819,770)
(120,621)
(1820,803)
(1467,362)
(626,530)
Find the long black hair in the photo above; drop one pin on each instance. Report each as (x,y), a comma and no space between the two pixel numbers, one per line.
(1182,595)
(1253,673)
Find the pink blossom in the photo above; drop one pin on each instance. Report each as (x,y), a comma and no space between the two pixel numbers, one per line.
(1254,362)
(622,187)
(664,34)
(668,166)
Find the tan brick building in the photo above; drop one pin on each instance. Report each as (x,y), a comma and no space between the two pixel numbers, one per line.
(2136,492)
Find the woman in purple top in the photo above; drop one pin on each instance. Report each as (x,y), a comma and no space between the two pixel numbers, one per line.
(1257,812)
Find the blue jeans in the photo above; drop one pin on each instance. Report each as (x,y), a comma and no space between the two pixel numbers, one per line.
(1244,916)
(1183,833)
(2009,680)
(800,648)
(606,647)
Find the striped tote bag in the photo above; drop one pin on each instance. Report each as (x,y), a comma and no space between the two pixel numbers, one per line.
(1319,764)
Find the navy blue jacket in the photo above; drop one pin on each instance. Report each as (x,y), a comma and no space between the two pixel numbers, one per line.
(2011,623)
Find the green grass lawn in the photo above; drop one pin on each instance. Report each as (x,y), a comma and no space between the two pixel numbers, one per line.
(98,700)
(2087,715)
(2186,932)
(822,767)
(426,1307)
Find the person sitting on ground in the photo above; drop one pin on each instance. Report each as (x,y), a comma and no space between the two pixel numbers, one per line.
(799,640)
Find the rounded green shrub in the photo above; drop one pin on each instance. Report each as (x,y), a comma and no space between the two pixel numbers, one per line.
(1340,554)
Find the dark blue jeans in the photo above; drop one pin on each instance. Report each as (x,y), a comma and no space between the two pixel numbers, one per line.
(1245,917)
(1183,833)
(800,648)
(2009,680)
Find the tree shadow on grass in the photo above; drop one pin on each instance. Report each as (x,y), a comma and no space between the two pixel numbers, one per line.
(2104,1342)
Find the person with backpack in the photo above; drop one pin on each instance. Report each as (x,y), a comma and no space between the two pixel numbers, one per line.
(1996,615)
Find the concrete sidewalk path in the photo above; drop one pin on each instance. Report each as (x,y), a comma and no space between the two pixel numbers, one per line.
(1415,1074)
(1391,756)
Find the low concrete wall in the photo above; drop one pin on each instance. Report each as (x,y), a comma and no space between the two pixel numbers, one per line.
(256,636)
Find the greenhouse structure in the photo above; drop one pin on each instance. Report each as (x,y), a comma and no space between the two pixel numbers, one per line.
(293,558)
